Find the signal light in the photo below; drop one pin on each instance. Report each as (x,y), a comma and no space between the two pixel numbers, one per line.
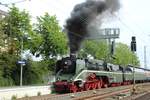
(133,44)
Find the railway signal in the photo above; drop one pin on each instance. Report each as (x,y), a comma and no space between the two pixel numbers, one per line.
(133,44)
(133,49)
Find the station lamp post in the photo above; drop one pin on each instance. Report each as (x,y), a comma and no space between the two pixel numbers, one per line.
(21,62)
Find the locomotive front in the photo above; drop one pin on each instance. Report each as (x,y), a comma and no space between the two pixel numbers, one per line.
(65,70)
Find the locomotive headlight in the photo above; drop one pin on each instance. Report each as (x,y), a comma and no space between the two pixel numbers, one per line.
(66,62)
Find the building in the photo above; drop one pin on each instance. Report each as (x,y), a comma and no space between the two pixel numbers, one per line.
(3,13)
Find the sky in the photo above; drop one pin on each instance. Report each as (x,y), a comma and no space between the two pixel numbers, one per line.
(133,19)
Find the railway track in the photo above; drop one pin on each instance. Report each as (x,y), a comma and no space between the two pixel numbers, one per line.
(142,93)
(88,95)
(103,95)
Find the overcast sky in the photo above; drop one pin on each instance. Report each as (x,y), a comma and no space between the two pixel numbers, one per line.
(133,18)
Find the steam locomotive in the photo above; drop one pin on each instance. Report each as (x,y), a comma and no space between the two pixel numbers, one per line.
(74,75)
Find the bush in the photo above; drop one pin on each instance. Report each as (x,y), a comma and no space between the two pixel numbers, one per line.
(14,97)
(39,93)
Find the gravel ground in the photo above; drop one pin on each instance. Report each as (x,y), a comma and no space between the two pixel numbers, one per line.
(144,97)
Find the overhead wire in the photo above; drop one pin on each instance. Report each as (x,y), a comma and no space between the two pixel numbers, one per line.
(131,30)
(139,28)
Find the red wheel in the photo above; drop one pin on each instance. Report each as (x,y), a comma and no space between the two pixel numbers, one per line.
(80,89)
(105,85)
(129,82)
(99,84)
(94,85)
(87,86)
(73,88)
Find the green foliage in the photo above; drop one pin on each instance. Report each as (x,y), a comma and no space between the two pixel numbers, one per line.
(98,49)
(15,26)
(7,65)
(13,29)
(17,23)
(3,37)
(33,73)
(124,56)
(14,97)
(53,41)
(39,94)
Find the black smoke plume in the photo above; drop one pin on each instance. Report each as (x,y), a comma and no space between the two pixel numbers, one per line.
(82,15)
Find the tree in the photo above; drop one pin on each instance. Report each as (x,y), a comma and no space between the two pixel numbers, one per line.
(100,50)
(16,25)
(47,40)
(53,40)
(97,48)
(125,56)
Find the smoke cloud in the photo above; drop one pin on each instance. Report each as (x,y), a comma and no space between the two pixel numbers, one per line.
(82,16)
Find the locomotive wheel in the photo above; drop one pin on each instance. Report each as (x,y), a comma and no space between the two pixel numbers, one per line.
(94,85)
(99,84)
(87,86)
(129,82)
(73,89)
(105,85)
